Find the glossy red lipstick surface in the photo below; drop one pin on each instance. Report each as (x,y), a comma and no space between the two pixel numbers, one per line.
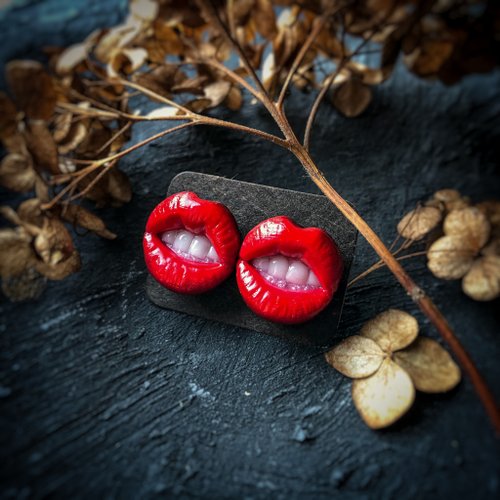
(190,244)
(288,294)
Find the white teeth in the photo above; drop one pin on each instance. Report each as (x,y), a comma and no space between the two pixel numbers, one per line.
(286,273)
(182,241)
(313,280)
(199,247)
(262,264)
(278,266)
(191,246)
(297,273)
(213,255)
(169,237)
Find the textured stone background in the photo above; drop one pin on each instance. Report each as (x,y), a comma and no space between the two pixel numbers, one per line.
(102,394)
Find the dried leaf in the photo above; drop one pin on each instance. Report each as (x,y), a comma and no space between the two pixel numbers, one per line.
(264,18)
(16,253)
(16,173)
(469,223)
(482,282)
(430,367)
(352,97)
(392,330)
(419,222)
(356,357)
(450,257)
(42,146)
(33,88)
(79,216)
(384,397)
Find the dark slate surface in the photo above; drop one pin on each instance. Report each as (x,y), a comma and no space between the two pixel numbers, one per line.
(250,204)
(104,395)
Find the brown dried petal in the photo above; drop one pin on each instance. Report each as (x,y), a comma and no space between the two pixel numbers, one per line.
(392,330)
(30,211)
(76,135)
(33,88)
(491,208)
(16,253)
(419,222)
(42,146)
(162,79)
(264,18)
(482,282)
(384,397)
(16,173)
(79,216)
(430,367)
(61,269)
(450,257)
(234,99)
(356,357)
(352,97)
(469,223)
(451,199)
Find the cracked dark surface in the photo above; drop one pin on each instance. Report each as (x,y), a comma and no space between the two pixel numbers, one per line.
(102,394)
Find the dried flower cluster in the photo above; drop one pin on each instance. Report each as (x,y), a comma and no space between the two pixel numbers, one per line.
(388,361)
(464,241)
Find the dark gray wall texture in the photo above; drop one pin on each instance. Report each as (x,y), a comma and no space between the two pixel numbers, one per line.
(104,395)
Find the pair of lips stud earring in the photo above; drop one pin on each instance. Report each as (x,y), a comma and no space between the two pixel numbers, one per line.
(285,273)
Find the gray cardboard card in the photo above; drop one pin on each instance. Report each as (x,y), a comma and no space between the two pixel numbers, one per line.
(251,204)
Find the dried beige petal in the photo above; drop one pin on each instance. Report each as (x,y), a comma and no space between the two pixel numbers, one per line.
(234,99)
(356,357)
(32,87)
(16,173)
(430,367)
(216,92)
(419,222)
(71,57)
(384,397)
(146,10)
(469,223)
(352,97)
(450,257)
(482,282)
(392,330)
(30,211)
(163,112)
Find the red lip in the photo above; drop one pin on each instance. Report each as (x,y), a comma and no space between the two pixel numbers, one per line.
(177,262)
(279,300)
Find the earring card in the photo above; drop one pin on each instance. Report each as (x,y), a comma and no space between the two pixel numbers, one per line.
(251,204)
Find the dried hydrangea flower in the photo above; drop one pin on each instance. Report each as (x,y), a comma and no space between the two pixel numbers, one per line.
(388,361)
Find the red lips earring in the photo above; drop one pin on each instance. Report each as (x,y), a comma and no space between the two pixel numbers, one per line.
(286,273)
(190,244)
